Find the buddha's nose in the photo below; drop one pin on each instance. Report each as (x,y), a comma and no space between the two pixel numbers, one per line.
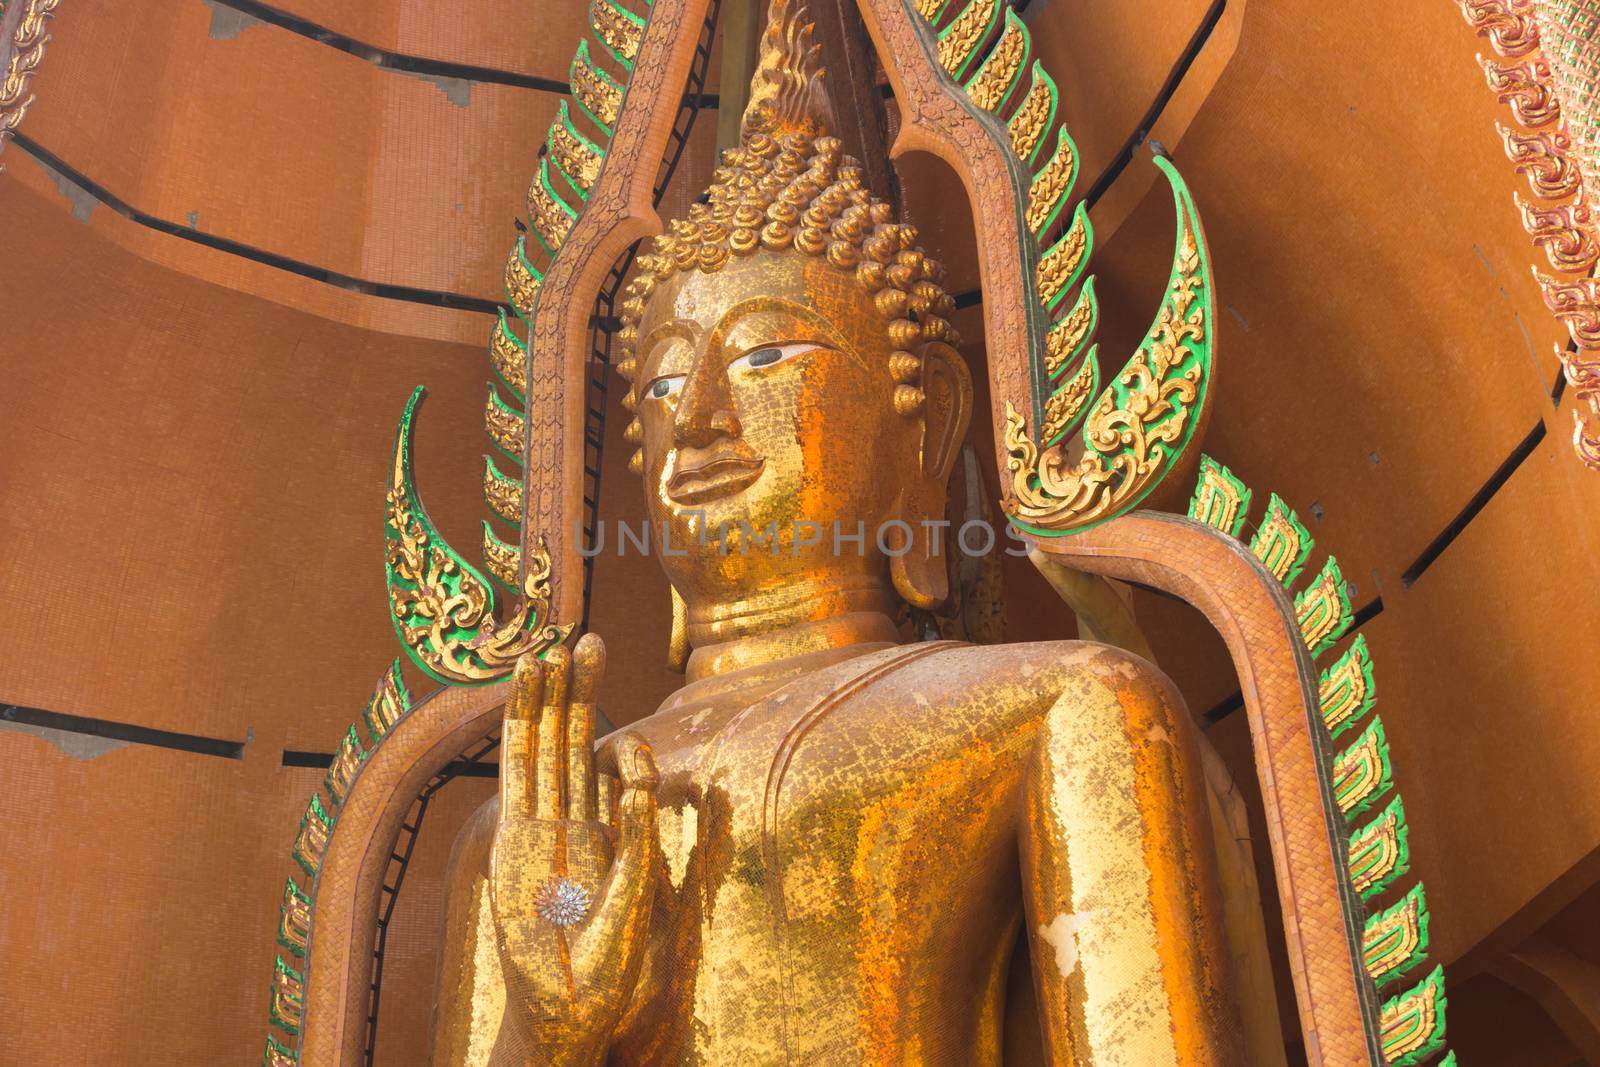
(705,408)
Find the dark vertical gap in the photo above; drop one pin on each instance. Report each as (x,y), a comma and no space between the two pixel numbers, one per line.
(1479,500)
(1169,87)
(399,862)
(395,876)
(601,333)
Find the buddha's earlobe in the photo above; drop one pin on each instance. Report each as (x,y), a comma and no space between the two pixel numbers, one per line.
(678,643)
(920,574)
(947,408)
(918,571)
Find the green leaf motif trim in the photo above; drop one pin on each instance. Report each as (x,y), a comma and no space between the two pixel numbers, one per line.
(443,608)
(1220,500)
(1281,542)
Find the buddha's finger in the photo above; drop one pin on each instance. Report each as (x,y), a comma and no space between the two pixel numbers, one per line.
(620,924)
(516,736)
(550,757)
(606,798)
(636,814)
(588,665)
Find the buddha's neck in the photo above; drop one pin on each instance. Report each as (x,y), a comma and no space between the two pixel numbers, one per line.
(798,619)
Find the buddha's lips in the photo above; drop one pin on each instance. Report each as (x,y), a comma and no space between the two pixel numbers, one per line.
(721,476)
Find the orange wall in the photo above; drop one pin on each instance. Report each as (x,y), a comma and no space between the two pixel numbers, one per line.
(191,485)
(196,448)
(1383,350)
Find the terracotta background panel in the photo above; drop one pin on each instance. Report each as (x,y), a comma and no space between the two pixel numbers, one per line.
(1386,406)
(283,144)
(1109,61)
(193,501)
(1486,679)
(142,888)
(323,299)
(510,35)
(192,481)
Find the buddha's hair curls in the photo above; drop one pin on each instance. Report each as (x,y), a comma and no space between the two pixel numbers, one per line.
(788,187)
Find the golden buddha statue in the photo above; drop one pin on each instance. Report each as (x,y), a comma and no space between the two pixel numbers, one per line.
(829,846)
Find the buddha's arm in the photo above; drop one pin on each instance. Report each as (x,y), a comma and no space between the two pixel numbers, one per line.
(1120,884)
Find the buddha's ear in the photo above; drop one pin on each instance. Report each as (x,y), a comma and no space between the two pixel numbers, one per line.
(947,408)
(918,572)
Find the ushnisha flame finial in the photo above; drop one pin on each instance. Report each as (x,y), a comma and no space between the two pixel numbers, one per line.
(786,93)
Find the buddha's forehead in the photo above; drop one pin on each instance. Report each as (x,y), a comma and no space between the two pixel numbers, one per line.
(765,280)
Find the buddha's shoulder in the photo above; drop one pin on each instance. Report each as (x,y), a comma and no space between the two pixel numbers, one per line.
(934,688)
(1047,668)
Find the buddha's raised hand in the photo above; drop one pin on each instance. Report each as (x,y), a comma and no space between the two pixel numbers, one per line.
(569,877)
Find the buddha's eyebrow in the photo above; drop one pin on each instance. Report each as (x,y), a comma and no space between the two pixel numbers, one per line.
(680,329)
(759,304)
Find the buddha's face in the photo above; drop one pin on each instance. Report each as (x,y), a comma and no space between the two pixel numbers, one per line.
(766,404)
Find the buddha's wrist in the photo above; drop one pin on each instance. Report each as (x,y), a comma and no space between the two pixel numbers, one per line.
(529,1040)
(569,1050)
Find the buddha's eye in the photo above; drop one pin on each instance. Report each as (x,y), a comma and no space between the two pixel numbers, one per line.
(771,355)
(662,388)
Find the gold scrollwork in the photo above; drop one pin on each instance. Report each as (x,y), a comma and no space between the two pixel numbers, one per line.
(961,38)
(459,638)
(522,286)
(503,560)
(1544,156)
(1056,491)
(1058,266)
(995,79)
(1566,232)
(1068,335)
(599,95)
(1526,88)
(1049,186)
(1063,407)
(1027,124)
(505,425)
(552,217)
(623,33)
(579,160)
(503,494)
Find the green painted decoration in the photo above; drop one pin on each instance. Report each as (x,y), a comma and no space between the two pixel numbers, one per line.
(1282,542)
(1220,500)
(441,605)
(1362,774)
(1397,938)
(1380,851)
(1347,690)
(1413,1022)
(390,700)
(1323,609)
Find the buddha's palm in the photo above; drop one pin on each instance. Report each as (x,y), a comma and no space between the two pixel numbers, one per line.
(569,874)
